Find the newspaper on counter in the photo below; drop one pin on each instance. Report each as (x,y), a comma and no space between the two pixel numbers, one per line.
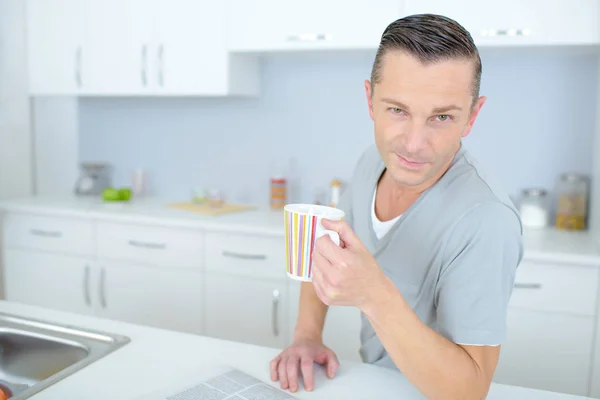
(219,383)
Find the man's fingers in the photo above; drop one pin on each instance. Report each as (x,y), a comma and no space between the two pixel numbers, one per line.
(343,229)
(283,381)
(332,364)
(308,373)
(292,373)
(274,365)
(325,246)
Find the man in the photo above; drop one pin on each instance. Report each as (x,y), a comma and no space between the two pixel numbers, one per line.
(430,244)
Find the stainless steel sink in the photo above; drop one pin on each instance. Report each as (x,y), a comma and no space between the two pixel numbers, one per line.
(35,354)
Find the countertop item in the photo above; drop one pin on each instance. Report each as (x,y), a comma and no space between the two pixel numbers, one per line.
(156,358)
(546,244)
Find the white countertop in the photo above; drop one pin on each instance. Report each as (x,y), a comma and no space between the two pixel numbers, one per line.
(540,244)
(156,358)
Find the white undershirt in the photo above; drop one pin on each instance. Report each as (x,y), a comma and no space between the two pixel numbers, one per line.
(381,227)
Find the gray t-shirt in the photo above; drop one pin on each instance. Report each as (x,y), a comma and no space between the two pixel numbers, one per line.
(453,254)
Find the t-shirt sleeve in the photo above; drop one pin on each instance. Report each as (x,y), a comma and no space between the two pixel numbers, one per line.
(480,260)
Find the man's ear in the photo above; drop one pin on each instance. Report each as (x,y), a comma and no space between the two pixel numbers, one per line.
(369,94)
(473,116)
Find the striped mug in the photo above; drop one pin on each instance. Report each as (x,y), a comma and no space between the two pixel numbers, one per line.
(302,228)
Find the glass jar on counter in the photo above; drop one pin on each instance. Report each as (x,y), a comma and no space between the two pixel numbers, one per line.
(533,208)
(572,202)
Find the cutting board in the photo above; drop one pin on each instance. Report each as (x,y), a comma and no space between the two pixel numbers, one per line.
(205,209)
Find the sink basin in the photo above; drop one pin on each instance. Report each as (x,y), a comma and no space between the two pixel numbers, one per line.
(35,354)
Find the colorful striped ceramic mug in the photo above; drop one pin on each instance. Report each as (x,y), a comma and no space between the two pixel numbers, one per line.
(302,228)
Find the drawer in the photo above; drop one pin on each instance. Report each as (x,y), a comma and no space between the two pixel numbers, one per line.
(248,255)
(554,287)
(152,245)
(56,234)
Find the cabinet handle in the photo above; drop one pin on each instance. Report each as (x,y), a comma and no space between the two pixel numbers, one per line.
(103,288)
(160,64)
(275,313)
(78,66)
(144,66)
(39,232)
(528,285)
(243,256)
(86,286)
(309,37)
(147,245)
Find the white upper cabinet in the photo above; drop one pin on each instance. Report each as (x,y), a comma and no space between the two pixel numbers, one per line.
(518,22)
(134,47)
(269,25)
(118,46)
(55,46)
(191,49)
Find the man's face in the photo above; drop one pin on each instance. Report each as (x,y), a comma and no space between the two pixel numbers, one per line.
(420,114)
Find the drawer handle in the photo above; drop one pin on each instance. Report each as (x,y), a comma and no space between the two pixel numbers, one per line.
(275,313)
(309,37)
(528,285)
(147,245)
(244,256)
(86,286)
(39,232)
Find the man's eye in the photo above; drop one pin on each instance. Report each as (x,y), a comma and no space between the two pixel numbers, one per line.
(396,110)
(443,118)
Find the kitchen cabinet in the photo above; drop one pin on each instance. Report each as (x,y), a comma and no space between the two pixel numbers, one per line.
(134,47)
(55,46)
(48,280)
(246,310)
(168,298)
(270,25)
(520,23)
(547,351)
(118,39)
(342,326)
(551,326)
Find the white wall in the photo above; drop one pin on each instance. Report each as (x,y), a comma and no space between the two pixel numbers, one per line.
(538,122)
(15,136)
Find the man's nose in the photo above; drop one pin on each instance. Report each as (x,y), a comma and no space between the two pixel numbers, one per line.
(414,137)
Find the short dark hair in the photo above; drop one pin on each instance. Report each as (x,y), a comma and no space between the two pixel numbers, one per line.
(430,38)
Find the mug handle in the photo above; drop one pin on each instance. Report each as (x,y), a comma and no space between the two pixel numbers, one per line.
(333,235)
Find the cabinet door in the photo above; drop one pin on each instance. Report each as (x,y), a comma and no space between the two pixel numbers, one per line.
(46,280)
(283,24)
(167,298)
(342,327)
(118,48)
(246,310)
(515,22)
(191,51)
(55,46)
(547,351)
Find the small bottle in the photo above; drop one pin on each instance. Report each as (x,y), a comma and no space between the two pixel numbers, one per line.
(278,192)
(336,187)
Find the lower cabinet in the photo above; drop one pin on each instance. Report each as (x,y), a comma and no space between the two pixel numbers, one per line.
(342,326)
(547,351)
(47,280)
(166,298)
(160,297)
(245,309)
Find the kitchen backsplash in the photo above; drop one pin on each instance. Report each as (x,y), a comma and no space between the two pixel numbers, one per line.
(311,119)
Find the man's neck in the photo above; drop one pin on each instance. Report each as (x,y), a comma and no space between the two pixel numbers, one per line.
(394,198)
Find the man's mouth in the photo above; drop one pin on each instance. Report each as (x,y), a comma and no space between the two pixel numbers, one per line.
(409,163)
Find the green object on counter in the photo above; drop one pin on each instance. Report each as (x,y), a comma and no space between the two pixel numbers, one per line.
(112,194)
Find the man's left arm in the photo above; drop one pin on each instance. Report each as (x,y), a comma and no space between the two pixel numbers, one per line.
(471,302)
